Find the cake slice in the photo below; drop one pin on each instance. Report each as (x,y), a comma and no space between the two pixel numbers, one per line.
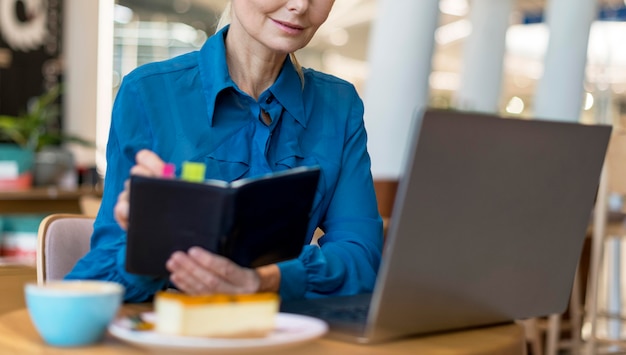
(220,315)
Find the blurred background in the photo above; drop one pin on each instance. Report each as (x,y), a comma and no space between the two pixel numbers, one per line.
(91,45)
(148,30)
(98,42)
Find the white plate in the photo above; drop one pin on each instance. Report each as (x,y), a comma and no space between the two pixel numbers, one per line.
(291,329)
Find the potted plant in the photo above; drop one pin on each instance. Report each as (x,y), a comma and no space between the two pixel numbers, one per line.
(30,144)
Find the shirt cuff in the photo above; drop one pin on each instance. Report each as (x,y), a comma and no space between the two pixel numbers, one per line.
(139,288)
(293,280)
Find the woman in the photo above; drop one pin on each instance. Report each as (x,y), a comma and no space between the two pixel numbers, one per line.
(243,106)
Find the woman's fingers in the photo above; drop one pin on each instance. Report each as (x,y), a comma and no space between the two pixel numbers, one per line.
(120,211)
(220,265)
(202,272)
(141,170)
(150,162)
(191,278)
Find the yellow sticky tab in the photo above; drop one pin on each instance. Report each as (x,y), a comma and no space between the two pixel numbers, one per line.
(193,171)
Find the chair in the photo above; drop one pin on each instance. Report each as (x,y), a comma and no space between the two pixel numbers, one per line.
(550,327)
(62,239)
(607,224)
(554,343)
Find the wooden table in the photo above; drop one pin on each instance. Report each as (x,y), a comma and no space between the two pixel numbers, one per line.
(44,200)
(13,277)
(18,335)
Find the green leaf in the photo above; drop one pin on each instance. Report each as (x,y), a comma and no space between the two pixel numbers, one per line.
(39,126)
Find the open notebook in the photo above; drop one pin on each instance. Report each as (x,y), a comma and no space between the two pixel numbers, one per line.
(487,227)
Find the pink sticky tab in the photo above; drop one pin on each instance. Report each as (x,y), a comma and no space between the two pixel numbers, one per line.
(169,170)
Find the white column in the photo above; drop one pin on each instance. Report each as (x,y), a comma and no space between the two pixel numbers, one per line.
(483,56)
(559,94)
(88,54)
(400,52)
(130,47)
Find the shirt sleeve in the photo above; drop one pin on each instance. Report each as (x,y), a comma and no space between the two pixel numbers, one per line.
(106,258)
(348,256)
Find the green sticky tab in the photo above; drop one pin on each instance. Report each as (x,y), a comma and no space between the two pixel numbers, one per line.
(193,171)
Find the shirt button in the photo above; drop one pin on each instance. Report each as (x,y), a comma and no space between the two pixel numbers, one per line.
(269,100)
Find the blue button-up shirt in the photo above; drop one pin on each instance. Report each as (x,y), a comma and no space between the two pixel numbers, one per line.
(189,109)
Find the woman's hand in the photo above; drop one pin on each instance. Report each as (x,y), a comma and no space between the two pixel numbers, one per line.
(148,164)
(201,272)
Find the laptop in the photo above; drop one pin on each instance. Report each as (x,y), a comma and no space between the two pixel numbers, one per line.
(488,227)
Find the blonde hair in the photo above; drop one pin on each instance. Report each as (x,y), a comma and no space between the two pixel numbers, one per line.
(225,19)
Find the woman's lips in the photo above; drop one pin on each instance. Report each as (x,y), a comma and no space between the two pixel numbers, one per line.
(289,27)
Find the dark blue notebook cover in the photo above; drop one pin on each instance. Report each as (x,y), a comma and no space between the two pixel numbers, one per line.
(253,222)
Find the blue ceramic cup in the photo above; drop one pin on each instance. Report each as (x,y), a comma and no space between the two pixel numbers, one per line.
(73,313)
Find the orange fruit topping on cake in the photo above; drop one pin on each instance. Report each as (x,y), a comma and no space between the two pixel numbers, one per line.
(220,315)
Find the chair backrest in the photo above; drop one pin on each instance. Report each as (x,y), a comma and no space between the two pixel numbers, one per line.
(62,240)
(616,163)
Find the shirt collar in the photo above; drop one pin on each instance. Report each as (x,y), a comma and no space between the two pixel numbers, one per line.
(288,91)
(215,77)
(214,70)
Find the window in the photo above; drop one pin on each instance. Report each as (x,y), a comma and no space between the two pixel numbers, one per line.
(153,30)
